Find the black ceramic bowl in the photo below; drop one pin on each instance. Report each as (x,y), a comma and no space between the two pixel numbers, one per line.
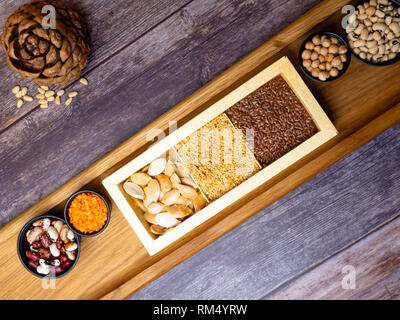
(23,246)
(67,219)
(341,42)
(396,3)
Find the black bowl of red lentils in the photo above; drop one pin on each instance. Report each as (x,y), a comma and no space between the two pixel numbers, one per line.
(87,213)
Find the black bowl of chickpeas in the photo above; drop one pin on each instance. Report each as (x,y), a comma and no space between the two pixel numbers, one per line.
(324,56)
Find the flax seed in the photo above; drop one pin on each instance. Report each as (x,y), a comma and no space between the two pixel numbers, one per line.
(278,119)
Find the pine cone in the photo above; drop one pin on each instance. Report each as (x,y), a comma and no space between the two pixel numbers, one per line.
(46,56)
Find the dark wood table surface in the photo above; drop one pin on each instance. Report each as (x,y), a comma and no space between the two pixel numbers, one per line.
(149,55)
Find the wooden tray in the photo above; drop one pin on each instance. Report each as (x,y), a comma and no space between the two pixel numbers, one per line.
(282,67)
(361,104)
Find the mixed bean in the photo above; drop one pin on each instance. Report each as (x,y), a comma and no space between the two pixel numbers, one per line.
(52,246)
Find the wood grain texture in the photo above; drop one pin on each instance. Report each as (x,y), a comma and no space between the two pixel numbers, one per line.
(152,74)
(376,260)
(307,226)
(113,25)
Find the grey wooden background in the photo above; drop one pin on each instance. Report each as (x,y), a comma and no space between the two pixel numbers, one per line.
(155,53)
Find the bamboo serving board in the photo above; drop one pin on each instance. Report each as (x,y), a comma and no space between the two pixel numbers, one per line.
(361,104)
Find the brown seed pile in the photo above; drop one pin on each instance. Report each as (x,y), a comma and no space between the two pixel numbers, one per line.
(218,158)
(279,120)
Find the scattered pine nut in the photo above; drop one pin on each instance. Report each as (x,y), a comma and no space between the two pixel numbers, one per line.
(68,102)
(24,91)
(41,90)
(58,100)
(51,99)
(45,87)
(20,103)
(16,89)
(42,101)
(60,93)
(84,81)
(73,94)
(28,98)
(49,94)
(18,94)
(40,96)
(44,106)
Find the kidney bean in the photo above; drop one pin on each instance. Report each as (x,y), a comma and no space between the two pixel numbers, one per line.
(33,264)
(63,258)
(58,270)
(66,264)
(44,253)
(59,244)
(45,240)
(32,255)
(36,245)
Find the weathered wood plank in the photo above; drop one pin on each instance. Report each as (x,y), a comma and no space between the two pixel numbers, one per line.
(142,82)
(113,25)
(309,225)
(376,261)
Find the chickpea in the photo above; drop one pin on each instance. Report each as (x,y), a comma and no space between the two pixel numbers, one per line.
(306,55)
(314,56)
(306,63)
(324,51)
(334,49)
(323,76)
(309,45)
(316,40)
(326,43)
(334,72)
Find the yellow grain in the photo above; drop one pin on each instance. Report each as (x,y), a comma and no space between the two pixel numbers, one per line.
(73,94)
(49,94)
(16,89)
(68,102)
(20,103)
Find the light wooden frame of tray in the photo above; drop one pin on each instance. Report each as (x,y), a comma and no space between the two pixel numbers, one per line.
(283,67)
